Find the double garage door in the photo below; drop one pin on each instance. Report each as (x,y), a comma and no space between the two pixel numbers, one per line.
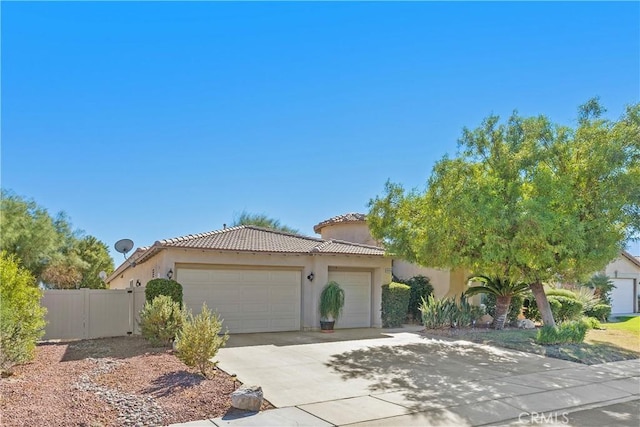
(249,300)
(269,300)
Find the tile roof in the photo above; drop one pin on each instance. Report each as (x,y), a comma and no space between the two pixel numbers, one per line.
(350,217)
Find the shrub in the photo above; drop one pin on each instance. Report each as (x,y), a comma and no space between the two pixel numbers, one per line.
(587,297)
(599,311)
(592,322)
(157,287)
(21,315)
(559,292)
(395,302)
(199,340)
(602,286)
(572,332)
(562,307)
(160,320)
(570,309)
(489,301)
(420,288)
(331,301)
(446,312)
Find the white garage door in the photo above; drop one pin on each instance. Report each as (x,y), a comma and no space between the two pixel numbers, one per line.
(622,296)
(248,300)
(357,298)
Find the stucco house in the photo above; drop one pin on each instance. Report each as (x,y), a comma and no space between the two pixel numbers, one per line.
(261,280)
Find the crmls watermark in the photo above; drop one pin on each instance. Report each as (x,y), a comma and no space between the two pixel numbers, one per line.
(544,417)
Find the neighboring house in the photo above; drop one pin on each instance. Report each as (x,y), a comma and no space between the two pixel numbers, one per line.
(624,272)
(261,280)
(353,227)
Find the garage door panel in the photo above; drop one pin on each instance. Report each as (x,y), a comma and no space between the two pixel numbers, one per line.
(357,298)
(247,300)
(622,296)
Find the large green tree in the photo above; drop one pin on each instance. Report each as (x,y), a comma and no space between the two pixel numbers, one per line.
(528,200)
(48,247)
(262,220)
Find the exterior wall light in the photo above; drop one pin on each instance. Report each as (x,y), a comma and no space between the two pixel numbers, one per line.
(169,274)
(310,277)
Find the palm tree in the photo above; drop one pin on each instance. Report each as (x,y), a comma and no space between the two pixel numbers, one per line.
(503,289)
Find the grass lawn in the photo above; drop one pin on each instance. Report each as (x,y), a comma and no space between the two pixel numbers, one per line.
(618,341)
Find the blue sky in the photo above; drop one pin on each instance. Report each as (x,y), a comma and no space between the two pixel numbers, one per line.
(154,120)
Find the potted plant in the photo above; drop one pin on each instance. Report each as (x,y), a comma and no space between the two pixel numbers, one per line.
(331,303)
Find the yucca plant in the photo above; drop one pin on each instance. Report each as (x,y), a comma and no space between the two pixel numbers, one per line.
(503,289)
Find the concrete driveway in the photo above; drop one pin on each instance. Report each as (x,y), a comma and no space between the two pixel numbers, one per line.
(381,377)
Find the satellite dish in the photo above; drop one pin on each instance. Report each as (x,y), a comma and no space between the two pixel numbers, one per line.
(123,246)
(102,275)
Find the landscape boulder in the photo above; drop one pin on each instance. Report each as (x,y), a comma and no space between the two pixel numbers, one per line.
(485,320)
(247,398)
(526,324)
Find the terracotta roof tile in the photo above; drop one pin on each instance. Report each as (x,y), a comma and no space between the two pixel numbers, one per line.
(350,217)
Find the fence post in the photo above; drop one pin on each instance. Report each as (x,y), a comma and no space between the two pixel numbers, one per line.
(86,312)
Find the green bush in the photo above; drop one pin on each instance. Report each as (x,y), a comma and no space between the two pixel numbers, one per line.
(199,340)
(570,309)
(447,312)
(420,288)
(21,315)
(599,311)
(562,307)
(489,301)
(592,322)
(572,332)
(559,292)
(157,287)
(160,320)
(395,302)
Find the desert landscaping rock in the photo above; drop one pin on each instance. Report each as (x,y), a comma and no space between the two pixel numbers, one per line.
(247,398)
(526,324)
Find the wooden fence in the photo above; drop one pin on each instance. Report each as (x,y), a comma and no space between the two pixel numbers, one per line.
(92,313)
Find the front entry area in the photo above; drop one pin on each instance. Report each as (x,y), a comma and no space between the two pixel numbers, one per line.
(248,299)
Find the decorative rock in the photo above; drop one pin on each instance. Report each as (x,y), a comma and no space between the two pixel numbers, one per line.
(247,398)
(486,319)
(526,324)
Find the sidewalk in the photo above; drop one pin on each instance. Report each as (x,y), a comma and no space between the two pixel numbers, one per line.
(519,395)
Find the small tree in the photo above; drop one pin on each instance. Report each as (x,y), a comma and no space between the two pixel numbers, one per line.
(602,286)
(21,316)
(331,301)
(503,289)
(395,301)
(160,320)
(199,340)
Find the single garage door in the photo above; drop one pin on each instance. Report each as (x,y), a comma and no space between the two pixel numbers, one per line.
(357,298)
(249,300)
(622,296)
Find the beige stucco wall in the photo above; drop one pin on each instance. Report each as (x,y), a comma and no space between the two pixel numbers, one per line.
(622,268)
(355,232)
(319,264)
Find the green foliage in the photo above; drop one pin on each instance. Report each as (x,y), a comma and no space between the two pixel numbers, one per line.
(503,290)
(21,316)
(262,220)
(331,301)
(526,199)
(561,292)
(48,247)
(199,340)
(420,288)
(157,287)
(602,286)
(599,311)
(572,332)
(395,302)
(160,320)
(592,322)
(587,298)
(447,312)
(564,308)
(489,300)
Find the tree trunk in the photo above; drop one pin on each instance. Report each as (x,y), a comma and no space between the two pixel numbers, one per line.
(502,310)
(543,304)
